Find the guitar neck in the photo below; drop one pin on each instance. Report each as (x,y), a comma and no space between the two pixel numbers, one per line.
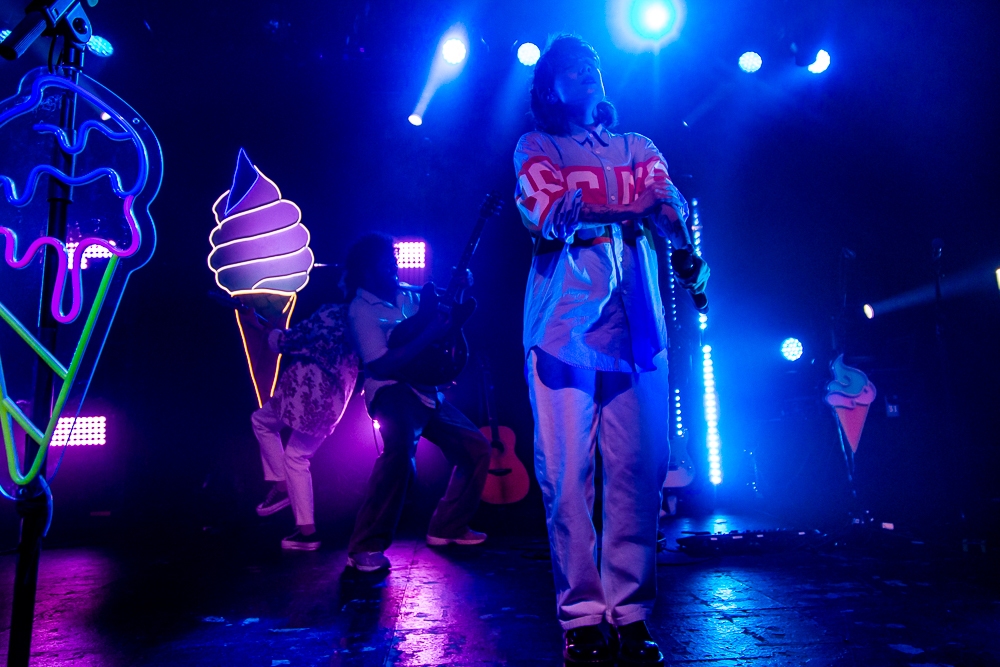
(457,280)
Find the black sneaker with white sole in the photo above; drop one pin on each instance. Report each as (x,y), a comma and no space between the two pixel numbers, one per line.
(274,501)
(299,542)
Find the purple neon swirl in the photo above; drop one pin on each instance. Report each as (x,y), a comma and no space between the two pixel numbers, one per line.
(76,279)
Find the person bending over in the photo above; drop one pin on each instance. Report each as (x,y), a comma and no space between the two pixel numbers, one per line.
(405,412)
(311,397)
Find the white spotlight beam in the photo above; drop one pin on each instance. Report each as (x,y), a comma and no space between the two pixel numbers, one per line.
(443,70)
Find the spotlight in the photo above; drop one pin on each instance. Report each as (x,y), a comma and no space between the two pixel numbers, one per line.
(655,17)
(750,62)
(821,63)
(105,115)
(100,46)
(645,25)
(454,51)
(998,278)
(4,34)
(411,254)
(791,349)
(528,54)
(870,312)
(652,19)
(376,424)
(415,119)
(80,431)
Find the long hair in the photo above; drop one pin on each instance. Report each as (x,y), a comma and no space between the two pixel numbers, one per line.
(549,112)
(365,252)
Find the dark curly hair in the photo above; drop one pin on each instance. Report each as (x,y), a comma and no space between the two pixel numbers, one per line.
(365,252)
(546,108)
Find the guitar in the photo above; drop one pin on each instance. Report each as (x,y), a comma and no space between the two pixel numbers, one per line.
(507,481)
(442,360)
(680,471)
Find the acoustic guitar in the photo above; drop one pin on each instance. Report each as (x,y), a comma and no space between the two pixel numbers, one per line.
(507,481)
(442,360)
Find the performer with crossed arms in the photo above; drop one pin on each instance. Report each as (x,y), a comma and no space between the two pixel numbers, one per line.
(595,342)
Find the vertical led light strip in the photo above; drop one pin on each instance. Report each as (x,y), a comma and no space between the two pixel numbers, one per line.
(678,411)
(711,398)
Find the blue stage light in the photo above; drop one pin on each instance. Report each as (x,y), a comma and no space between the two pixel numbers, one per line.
(711,402)
(4,34)
(454,51)
(653,19)
(750,62)
(870,312)
(821,63)
(100,46)
(791,349)
(415,119)
(528,54)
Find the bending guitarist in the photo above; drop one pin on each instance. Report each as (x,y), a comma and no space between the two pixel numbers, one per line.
(596,348)
(405,412)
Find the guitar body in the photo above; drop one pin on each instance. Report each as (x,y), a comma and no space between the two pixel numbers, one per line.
(680,472)
(507,481)
(442,360)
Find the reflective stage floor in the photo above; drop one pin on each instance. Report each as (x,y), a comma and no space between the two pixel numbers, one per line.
(871,597)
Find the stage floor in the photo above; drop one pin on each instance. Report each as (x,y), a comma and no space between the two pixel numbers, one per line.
(218,599)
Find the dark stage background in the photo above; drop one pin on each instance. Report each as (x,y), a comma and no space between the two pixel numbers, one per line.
(892,147)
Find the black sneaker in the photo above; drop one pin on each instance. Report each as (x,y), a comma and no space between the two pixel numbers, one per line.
(299,542)
(276,500)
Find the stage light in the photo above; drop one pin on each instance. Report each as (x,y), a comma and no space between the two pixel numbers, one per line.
(791,349)
(645,25)
(870,312)
(821,63)
(376,425)
(998,278)
(4,34)
(528,54)
(100,46)
(90,252)
(454,51)
(711,401)
(680,416)
(411,254)
(655,17)
(80,431)
(750,62)
(415,120)
(105,115)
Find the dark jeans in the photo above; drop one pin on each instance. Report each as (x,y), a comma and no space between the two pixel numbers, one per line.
(403,418)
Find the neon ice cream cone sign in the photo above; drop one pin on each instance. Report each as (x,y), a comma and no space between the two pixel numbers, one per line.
(260,255)
(850,394)
(115,173)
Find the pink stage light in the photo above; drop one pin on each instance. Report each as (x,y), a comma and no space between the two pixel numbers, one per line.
(411,254)
(86,431)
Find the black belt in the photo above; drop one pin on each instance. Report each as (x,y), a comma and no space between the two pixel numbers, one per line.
(543,245)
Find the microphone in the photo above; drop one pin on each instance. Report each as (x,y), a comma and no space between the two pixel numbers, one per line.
(682,260)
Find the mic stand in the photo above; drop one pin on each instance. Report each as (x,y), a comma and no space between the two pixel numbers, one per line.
(68,20)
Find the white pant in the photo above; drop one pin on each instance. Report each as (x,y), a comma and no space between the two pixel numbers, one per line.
(627,415)
(287,464)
